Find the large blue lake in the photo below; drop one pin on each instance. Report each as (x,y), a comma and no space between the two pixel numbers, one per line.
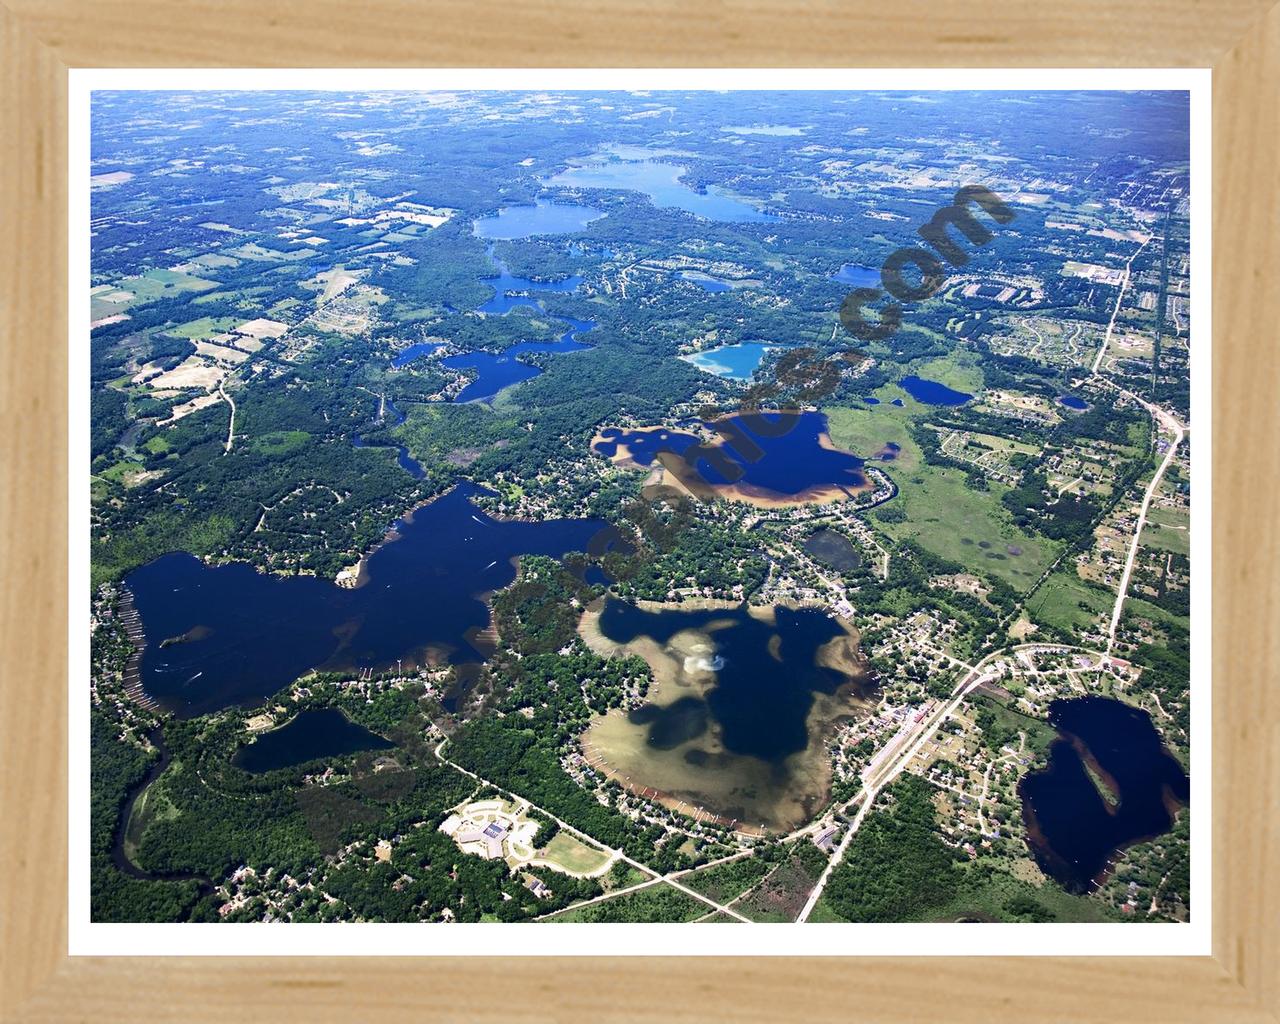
(930,392)
(773,454)
(760,708)
(497,371)
(661,183)
(858,276)
(543,218)
(238,635)
(706,282)
(1072,829)
(511,291)
(309,735)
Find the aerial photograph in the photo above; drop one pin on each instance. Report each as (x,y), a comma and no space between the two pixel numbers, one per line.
(676,506)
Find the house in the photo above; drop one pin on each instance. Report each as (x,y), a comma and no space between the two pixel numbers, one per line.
(538,887)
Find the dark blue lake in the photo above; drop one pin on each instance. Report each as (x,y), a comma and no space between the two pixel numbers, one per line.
(501,370)
(780,454)
(930,392)
(858,276)
(760,708)
(833,549)
(1072,830)
(416,351)
(238,635)
(1072,402)
(511,291)
(309,735)
(543,218)
(661,183)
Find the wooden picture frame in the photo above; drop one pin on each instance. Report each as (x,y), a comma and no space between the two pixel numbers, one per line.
(42,39)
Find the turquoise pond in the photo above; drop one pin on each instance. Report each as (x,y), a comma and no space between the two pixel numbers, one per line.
(732,362)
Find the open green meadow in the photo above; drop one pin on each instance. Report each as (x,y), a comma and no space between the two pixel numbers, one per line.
(864,430)
(203,328)
(574,856)
(657,903)
(1067,602)
(949,518)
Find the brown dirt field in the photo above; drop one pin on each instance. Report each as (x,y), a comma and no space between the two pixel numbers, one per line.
(193,372)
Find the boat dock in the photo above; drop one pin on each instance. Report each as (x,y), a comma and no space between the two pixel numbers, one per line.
(132,623)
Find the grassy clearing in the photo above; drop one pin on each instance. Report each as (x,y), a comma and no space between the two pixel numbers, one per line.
(944,514)
(1066,601)
(153,804)
(949,518)
(724,882)
(1003,444)
(280,442)
(575,857)
(237,295)
(864,430)
(254,251)
(959,370)
(213,260)
(622,876)
(121,472)
(154,284)
(1137,608)
(657,903)
(1169,530)
(203,328)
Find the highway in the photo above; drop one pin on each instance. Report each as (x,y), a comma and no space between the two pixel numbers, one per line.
(878,777)
(1124,285)
(1168,421)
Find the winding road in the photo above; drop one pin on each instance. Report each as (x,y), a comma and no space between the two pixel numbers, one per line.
(231,425)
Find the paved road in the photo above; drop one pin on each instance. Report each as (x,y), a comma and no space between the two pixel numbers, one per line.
(1124,286)
(1164,419)
(879,777)
(1137,537)
(231,425)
